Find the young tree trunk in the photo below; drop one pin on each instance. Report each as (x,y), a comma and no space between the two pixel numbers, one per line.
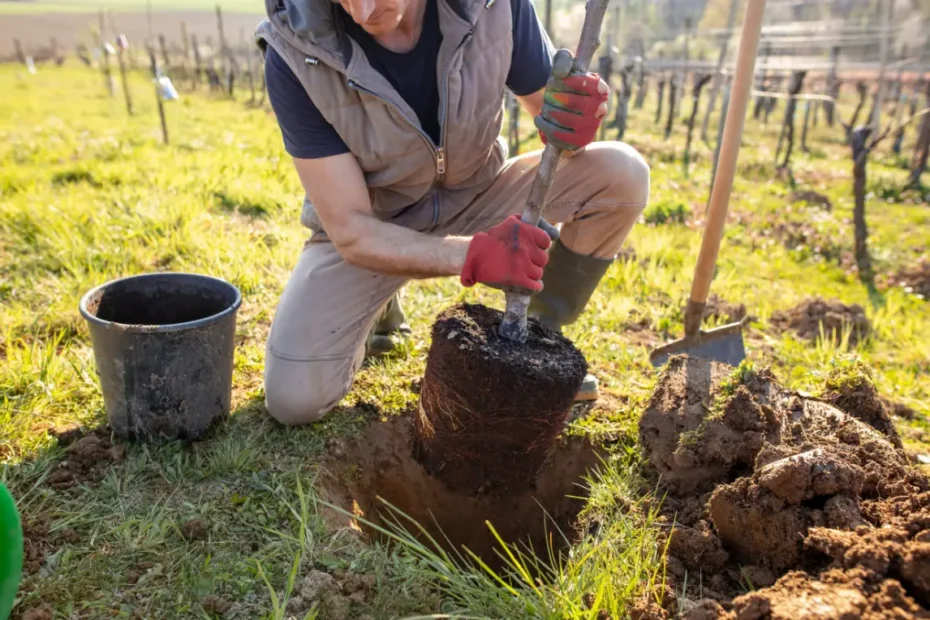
(661,85)
(858,140)
(672,91)
(763,82)
(724,107)
(770,102)
(899,134)
(863,91)
(833,87)
(700,81)
(921,148)
(794,87)
(641,77)
(513,106)
(718,73)
(623,102)
(807,118)
(605,70)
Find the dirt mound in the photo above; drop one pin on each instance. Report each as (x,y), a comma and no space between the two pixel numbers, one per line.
(812,198)
(833,317)
(915,279)
(87,459)
(852,391)
(334,594)
(39,541)
(381,466)
(721,310)
(769,489)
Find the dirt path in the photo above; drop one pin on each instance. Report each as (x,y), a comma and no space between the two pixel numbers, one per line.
(35,31)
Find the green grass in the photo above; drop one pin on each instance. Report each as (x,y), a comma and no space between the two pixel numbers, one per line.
(92,6)
(88,194)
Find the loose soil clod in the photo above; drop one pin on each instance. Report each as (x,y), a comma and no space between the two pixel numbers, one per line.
(915,279)
(812,315)
(194,530)
(490,408)
(818,509)
(381,466)
(86,460)
(812,198)
(721,310)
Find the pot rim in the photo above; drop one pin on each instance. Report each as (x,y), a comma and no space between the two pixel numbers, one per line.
(172,327)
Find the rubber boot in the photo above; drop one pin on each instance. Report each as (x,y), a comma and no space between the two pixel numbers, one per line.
(391,323)
(569,281)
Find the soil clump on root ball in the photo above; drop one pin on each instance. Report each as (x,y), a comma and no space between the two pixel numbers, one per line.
(812,507)
(490,409)
(833,317)
(369,476)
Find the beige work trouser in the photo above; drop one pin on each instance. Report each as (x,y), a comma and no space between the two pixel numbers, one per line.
(317,339)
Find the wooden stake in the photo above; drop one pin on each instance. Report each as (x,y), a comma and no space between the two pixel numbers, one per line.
(20,55)
(763,81)
(250,56)
(153,64)
(105,56)
(224,50)
(163,48)
(718,72)
(876,118)
(56,55)
(198,62)
(672,98)
(549,18)
(120,55)
(699,83)
(661,98)
(807,117)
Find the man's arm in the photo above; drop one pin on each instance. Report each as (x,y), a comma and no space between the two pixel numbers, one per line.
(336,187)
(533,102)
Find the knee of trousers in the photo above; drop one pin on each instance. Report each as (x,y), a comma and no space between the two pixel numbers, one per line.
(624,172)
(302,392)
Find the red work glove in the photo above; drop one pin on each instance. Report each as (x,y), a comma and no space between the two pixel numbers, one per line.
(572,110)
(509,256)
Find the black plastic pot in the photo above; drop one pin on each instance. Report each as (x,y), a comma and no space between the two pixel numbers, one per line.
(164,345)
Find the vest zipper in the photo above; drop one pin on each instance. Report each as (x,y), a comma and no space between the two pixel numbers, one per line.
(438,154)
(444,108)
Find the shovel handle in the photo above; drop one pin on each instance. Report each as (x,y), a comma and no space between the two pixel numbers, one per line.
(513,326)
(726,166)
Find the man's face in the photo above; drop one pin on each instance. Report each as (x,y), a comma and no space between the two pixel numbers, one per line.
(376,16)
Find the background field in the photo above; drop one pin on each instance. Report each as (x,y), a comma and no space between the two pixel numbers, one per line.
(88,193)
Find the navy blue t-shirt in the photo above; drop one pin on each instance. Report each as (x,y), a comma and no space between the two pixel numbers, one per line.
(308,135)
